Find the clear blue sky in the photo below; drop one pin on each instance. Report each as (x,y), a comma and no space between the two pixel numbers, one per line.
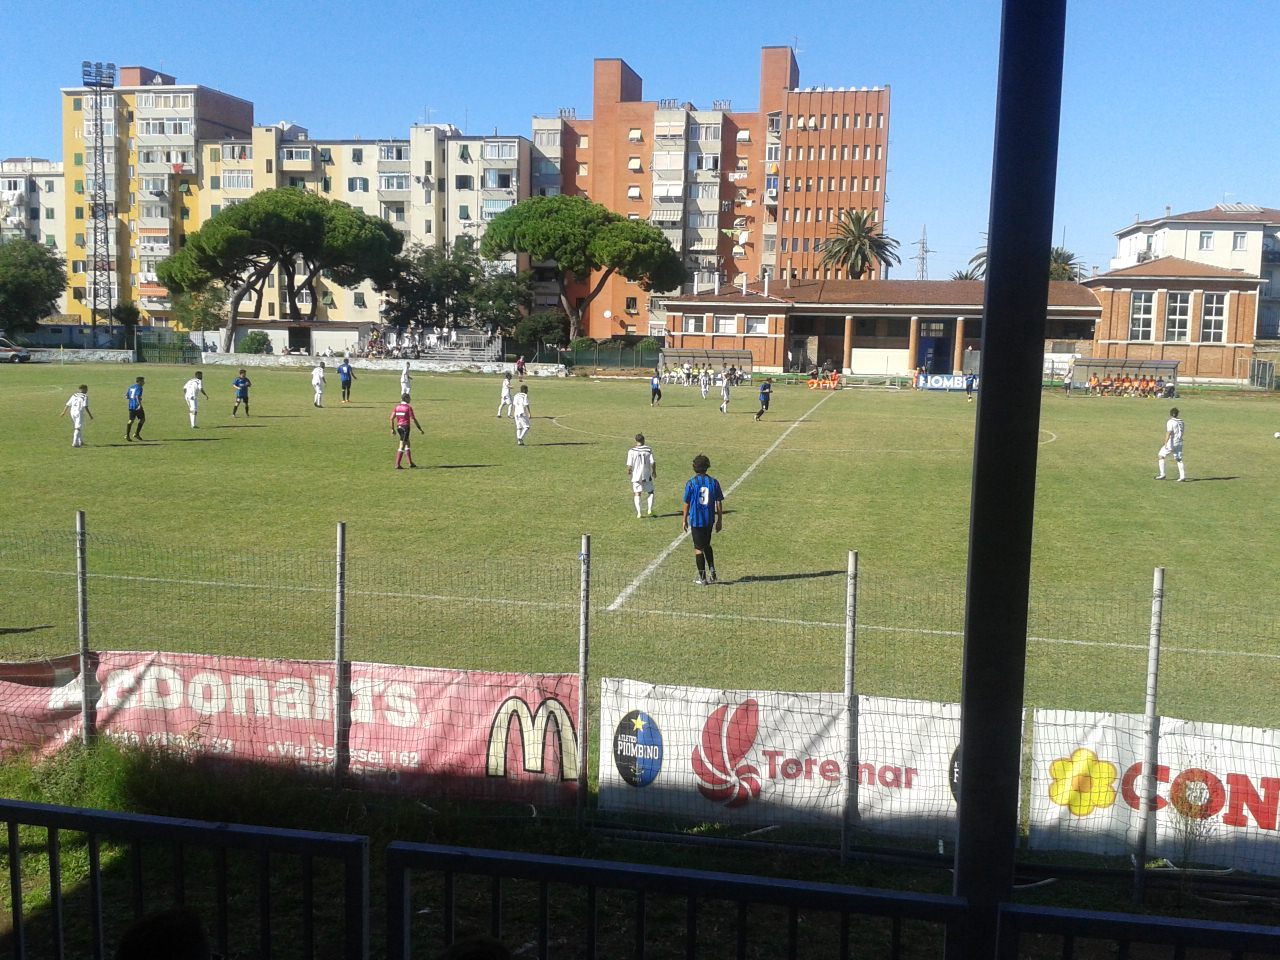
(1166,101)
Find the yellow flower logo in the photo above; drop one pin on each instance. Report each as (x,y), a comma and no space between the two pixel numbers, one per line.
(1082,782)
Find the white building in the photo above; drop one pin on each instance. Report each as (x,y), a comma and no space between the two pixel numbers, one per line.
(1232,236)
(31,204)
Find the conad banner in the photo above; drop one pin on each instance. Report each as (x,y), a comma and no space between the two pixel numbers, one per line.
(1217,789)
(770,757)
(423,730)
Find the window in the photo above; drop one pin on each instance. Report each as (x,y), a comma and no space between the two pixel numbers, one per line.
(1140,315)
(464,181)
(707,221)
(744,136)
(704,191)
(582,169)
(497,179)
(1177,317)
(549,138)
(464,152)
(1213,318)
(491,208)
(808,184)
(79,213)
(880,120)
(237,151)
(633,192)
(704,161)
(48,213)
(77,103)
(875,185)
(810,153)
(757,325)
(393,212)
(633,165)
(1239,240)
(694,323)
(499,150)
(1206,239)
(326,155)
(298,183)
(77,159)
(464,212)
(357,154)
(584,142)
(635,135)
(50,240)
(668,160)
(288,154)
(358,299)
(393,151)
(726,323)
(857,120)
(772,152)
(357,184)
(879,151)
(77,266)
(632,305)
(393,181)
(771,183)
(214,209)
(326,184)
(215,183)
(868,121)
(785,244)
(237,179)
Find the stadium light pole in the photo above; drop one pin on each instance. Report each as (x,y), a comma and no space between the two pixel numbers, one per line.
(1002,501)
(98,76)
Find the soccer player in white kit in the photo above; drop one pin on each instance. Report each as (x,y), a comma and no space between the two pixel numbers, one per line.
(192,391)
(704,381)
(405,380)
(504,401)
(77,406)
(1173,431)
(724,395)
(520,406)
(643,470)
(317,384)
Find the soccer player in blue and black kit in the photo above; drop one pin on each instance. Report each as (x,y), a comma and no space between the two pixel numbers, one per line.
(703,507)
(242,385)
(345,376)
(766,389)
(136,415)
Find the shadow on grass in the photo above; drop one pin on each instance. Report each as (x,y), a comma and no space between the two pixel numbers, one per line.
(195,440)
(277,416)
(241,426)
(1207,479)
(463,466)
(568,443)
(778,577)
(43,626)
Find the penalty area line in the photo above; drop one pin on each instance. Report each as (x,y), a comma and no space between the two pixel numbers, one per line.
(648,571)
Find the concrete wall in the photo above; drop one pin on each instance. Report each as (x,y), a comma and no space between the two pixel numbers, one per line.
(81,356)
(260,360)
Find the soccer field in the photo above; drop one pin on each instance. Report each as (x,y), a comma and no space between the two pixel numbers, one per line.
(221,539)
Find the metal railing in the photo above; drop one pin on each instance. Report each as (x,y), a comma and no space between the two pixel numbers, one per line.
(815,919)
(1069,927)
(137,833)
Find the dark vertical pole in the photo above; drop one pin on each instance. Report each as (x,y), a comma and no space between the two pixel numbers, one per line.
(1029,95)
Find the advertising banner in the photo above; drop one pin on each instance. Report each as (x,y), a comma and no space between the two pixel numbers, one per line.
(29,720)
(443,732)
(770,757)
(1217,789)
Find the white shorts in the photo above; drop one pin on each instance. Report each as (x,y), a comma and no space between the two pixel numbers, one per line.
(192,405)
(642,486)
(1175,450)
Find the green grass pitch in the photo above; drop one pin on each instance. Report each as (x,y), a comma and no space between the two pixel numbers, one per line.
(221,539)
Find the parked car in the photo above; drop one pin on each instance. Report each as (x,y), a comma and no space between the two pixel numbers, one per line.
(12,353)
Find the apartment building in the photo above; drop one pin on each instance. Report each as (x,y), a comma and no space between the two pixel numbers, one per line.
(151,126)
(31,204)
(1242,237)
(753,193)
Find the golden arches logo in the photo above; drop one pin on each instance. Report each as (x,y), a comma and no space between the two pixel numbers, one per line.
(533,737)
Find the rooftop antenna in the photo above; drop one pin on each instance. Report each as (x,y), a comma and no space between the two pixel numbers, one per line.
(922,258)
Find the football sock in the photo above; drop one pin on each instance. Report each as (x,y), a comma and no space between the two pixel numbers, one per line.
(1182,471)
(651,503)
(701,561)
(637,500)
(399,457)
(710,557)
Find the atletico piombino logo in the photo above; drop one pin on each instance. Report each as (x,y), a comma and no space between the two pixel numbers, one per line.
(1082,782)
(637,749)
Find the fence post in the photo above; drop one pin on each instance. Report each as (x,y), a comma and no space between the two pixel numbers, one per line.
(82,630)
(584,643)
(851,707)
(1151,742)
(341,669)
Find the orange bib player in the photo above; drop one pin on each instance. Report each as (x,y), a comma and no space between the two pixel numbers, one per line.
(401,418)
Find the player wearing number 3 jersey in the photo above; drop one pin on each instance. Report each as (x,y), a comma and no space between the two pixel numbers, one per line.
(703,509)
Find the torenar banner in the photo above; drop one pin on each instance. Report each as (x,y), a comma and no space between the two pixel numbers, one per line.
(500,736)
(771,757)
(1217,789)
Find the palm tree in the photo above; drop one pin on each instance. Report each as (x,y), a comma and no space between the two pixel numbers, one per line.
(1063,265)
(970,274)
(856,245)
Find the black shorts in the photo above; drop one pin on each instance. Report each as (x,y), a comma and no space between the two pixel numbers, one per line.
(403,434)
(140,415)
(701,537)
(764,401)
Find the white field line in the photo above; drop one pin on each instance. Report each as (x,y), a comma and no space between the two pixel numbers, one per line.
(648,571)
(682,614)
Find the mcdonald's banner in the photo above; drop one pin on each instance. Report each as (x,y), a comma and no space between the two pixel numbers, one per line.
(770,757)
(502,736)
(1217,789)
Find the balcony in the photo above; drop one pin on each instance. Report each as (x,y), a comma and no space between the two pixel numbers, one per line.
(771,198)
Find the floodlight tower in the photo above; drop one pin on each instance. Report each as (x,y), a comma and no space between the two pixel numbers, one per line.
(98,77)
